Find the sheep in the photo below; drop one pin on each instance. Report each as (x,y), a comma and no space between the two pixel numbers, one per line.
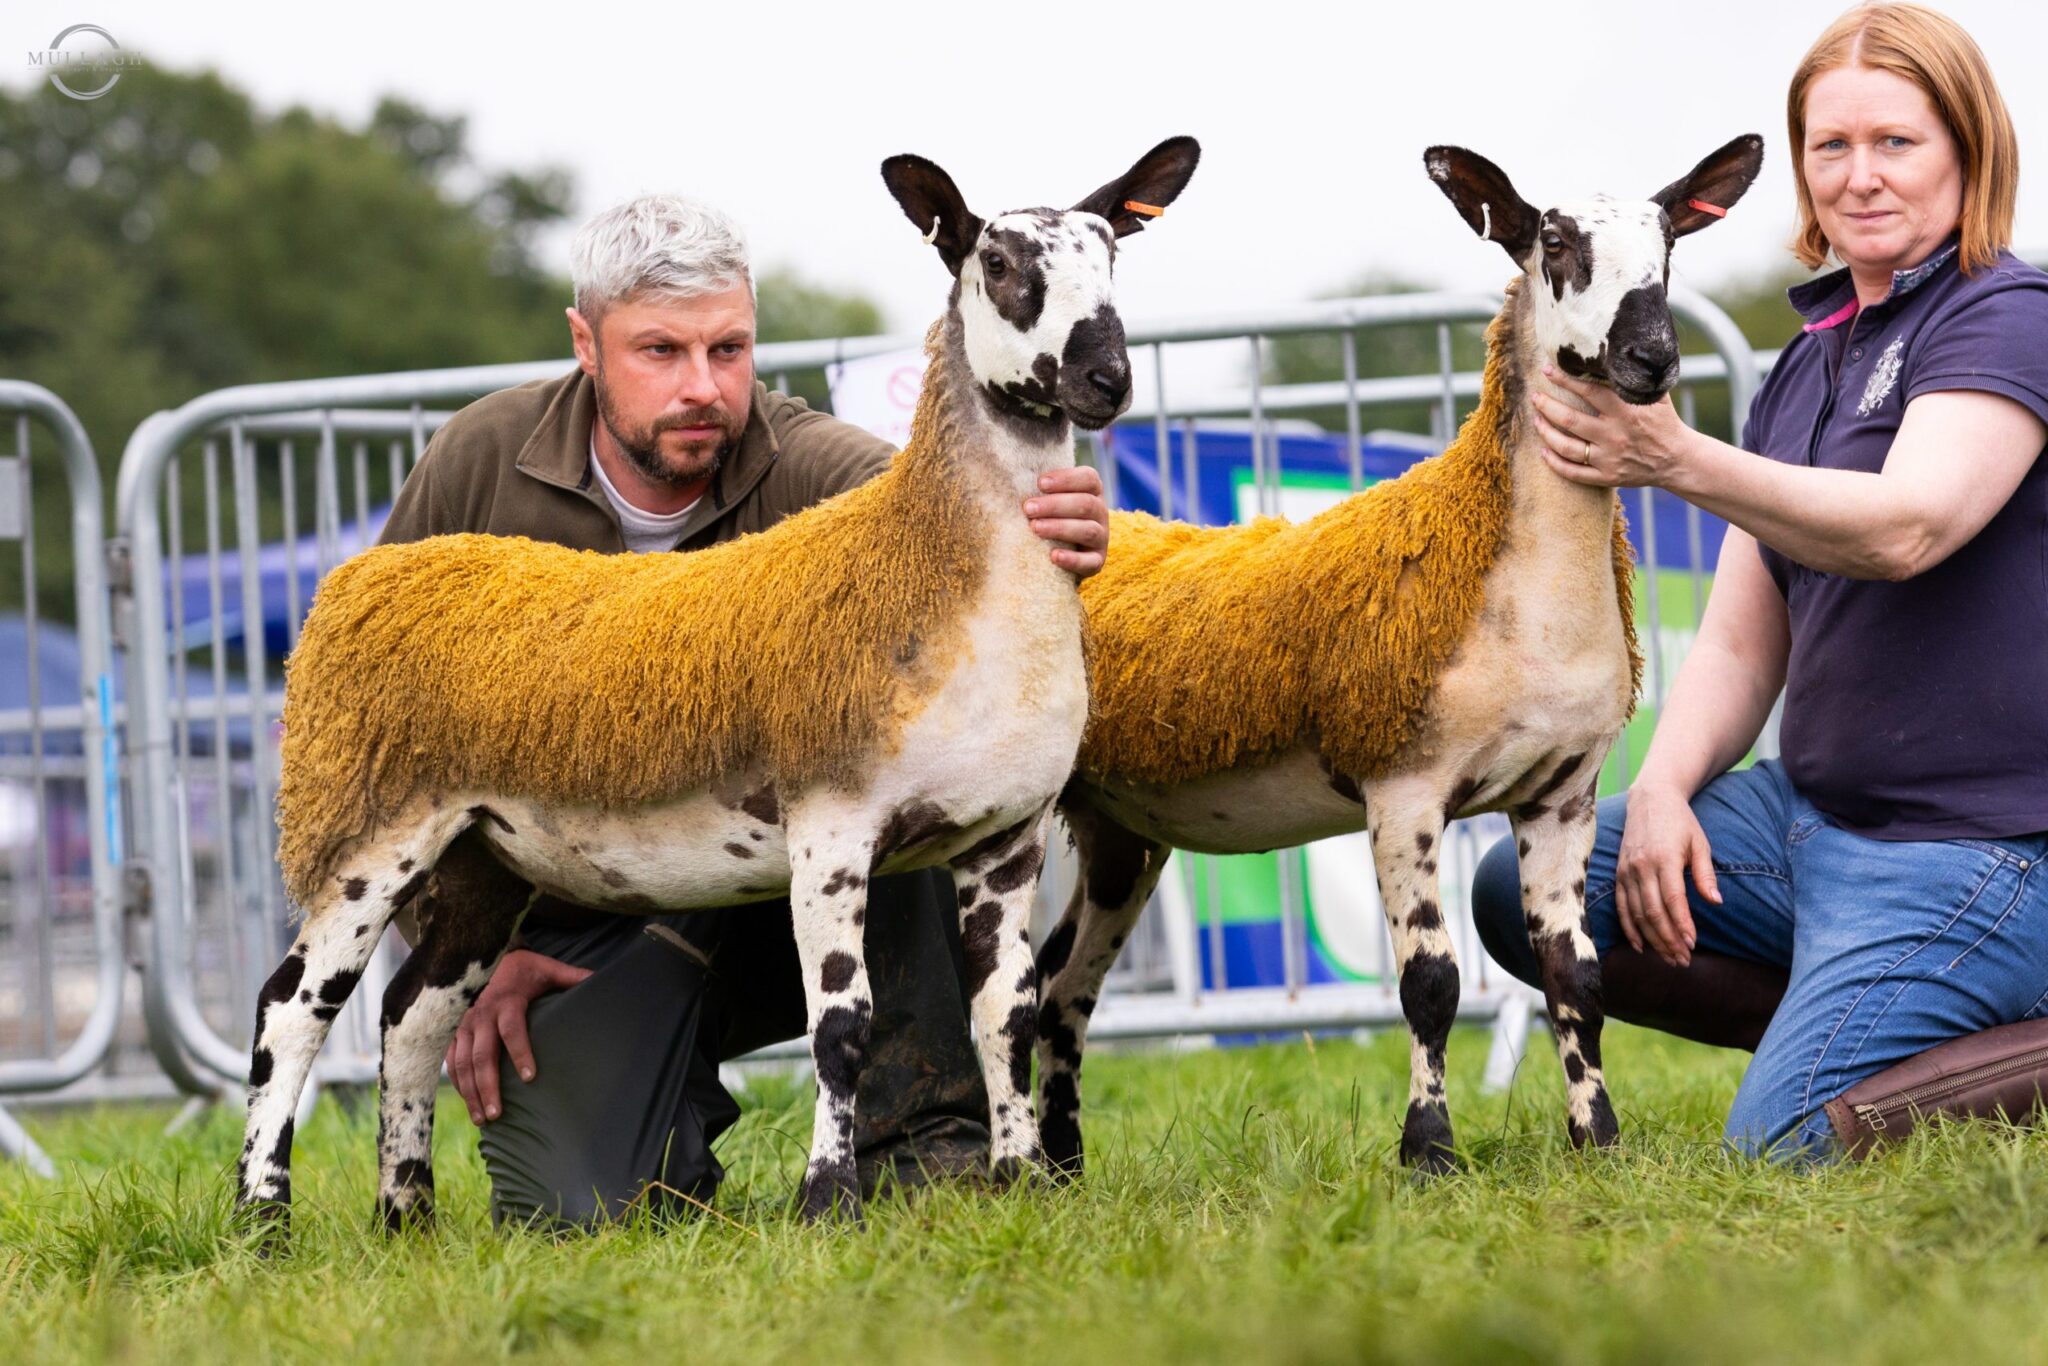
(1455,641)
(891,680)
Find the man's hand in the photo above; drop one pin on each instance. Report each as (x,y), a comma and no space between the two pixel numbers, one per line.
(1660,844)
(1070,513)
(500,1015)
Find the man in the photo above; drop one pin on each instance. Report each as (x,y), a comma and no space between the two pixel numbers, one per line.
(663,440)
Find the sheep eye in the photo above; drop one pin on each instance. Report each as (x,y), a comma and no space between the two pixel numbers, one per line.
(1552,243)
(993,265)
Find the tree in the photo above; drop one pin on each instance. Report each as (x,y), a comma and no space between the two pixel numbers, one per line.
(171,239)
(789,307)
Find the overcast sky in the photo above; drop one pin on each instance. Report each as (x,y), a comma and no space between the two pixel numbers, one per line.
(1312,117)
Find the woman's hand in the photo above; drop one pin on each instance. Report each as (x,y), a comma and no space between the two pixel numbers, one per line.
(1617,445)
(1070,513)
(1661,842)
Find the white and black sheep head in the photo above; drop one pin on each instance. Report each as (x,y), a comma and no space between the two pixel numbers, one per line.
(1598,268)
(1033,288)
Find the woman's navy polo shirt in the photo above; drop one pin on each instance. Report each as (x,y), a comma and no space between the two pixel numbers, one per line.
(1917,710)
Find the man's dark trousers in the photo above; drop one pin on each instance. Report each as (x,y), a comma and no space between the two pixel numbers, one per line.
(626,1093)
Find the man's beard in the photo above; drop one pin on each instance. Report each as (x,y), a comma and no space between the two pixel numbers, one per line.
(642,446)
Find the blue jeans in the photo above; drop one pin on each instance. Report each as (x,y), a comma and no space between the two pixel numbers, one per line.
(1892,946)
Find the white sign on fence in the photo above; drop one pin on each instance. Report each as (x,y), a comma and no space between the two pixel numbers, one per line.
(13,509)
(878,392)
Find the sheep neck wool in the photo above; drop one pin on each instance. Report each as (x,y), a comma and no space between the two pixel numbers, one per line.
(502,665)
(1212,647)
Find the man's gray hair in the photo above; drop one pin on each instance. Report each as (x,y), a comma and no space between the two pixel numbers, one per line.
(659,245)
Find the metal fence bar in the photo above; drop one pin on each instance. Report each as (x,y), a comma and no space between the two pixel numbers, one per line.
(288,478)
(1258,410)
(224,792)
(326,503)
(1652,598)
(1688,412)
(256,674)
(45,949)
(1103,454)
(1449,401)
(98,755)
(1163,451)
(362,478)
(1354,444)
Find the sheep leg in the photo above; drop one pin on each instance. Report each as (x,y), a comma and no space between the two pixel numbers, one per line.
(1405,835)
(295,1009)
(828,897)
(994,882)
(1554,837)
(469,912)
(1118,870)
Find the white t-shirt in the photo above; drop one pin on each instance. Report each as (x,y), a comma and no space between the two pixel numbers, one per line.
(645,531)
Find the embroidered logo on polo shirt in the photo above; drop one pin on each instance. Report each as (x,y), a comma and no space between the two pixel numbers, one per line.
(1883,376)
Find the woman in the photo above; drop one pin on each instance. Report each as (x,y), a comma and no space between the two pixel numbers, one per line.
(1887,565)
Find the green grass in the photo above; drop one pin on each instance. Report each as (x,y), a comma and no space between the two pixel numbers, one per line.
(1239,1204)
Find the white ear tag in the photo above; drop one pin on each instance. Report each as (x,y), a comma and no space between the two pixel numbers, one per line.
(933,235)
(1486,217)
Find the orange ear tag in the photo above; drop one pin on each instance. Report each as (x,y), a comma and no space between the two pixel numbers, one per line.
(1149,210)
(1704,207)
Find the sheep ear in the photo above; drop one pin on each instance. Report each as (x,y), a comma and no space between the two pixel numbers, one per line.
(1155,181)
(1484,198)
(933,203)
(1717,183)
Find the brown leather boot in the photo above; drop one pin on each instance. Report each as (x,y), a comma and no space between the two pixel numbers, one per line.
(2001,1071)
(1715,999)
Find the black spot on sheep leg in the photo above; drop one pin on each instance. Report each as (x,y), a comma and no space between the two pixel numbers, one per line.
(1002,982)
(1553,870)
(839,1049)
(474,906)
(828,902)
(294,1011)
(1118,869)
(1427,968)
(1429,1001)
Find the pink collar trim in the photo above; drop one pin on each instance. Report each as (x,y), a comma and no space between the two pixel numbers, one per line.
(1834,319)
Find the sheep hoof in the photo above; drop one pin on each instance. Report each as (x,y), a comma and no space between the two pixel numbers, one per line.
(266,1224)
(1062,1140)
(1006,1172)
(1605,1131)
(1426,1147)
(1428,1166)
(417,1217)
(831,1197)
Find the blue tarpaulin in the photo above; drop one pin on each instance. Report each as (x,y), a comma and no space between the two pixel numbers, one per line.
(274,562)
(1320,461)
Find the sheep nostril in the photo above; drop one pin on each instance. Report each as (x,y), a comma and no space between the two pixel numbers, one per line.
(1655,360)
(1113,385)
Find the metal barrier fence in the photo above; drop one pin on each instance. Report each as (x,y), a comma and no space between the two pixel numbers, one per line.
(60,887)
(207,493)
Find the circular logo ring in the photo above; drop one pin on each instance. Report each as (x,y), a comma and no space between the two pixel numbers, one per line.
(57,45)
